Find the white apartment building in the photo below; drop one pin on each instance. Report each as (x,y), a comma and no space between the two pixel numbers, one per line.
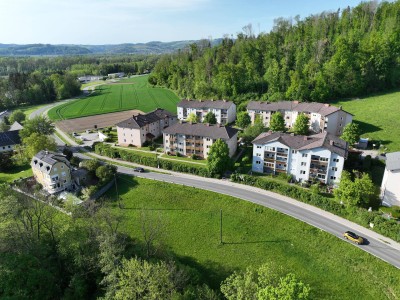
(224,111)
(390,188)
(323,117)
(196,139)
(141,128)
(319,156)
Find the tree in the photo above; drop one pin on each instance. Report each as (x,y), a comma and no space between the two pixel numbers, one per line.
(263,283)
(301,125)
(39,125)
(277,122)
(91,165)
(210,118)
(6,163)
(17,116)
(4,127)
(355,192)
(192,117)
(218,160)
(105,173)
(251,132)
(36,142)
(351,133)
(243,119)
(68,153)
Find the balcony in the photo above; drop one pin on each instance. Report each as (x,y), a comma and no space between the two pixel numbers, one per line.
(271,159)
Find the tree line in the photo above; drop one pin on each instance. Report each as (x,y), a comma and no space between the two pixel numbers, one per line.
(344,53)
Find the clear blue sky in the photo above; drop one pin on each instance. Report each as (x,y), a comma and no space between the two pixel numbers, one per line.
(132,21)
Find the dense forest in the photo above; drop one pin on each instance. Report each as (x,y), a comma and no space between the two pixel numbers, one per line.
(34,80)
(345,53)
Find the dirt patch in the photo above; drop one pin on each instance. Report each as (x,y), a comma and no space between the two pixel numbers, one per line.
(101,121)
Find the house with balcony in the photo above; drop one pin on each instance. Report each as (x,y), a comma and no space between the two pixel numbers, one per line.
(143,128)
(224,111)
(189,139)
(320,156)
(52,171)
(390,187)
(322,116)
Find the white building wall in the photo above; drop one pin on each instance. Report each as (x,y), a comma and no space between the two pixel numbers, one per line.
(390,188)
(232,113)
(7,148)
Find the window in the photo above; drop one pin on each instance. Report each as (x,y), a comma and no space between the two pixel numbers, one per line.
(55,169)
(62,166)
(294,151)
(323,159)
(208,139)
(333,177)
(336,160)
(258,162)
(304,155)
(258,147)
(9,147)
(340,125)
(334,168)
(302,172)
(124,140)
(63,174)
(303,163)
(258,154)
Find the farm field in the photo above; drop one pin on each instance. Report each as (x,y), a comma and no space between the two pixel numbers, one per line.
(133,93)
(252,235)
(378,117)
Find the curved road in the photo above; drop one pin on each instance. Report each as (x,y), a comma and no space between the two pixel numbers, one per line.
(378,245)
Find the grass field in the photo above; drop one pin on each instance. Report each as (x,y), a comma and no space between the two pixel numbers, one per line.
(378,117)
(252,235)
(16,173)
(133,93)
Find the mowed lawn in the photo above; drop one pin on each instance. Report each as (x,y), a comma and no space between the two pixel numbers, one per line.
(379,118)
(17,172)
(252,235)
(133,93)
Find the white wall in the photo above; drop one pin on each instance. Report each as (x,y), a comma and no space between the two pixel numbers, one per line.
(390,188)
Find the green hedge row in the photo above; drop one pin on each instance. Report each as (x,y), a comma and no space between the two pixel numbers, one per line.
(389,228)
(145,159)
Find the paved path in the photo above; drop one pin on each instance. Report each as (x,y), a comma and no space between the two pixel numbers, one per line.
(379,246)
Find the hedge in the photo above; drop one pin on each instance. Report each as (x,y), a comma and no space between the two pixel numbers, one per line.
(149,160)
(361,216)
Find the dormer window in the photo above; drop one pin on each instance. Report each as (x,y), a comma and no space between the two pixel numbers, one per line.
(35,161)
(41,165)
(48,168)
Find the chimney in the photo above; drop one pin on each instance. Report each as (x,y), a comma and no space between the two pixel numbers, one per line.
(306,138)
(46,152)
(332,143)
(292,134)
(224,100)
(296,101)
(208,124)
(327,104)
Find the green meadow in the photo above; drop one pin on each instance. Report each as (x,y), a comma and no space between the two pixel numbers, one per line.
(378,117)
(252,235)
(133,93)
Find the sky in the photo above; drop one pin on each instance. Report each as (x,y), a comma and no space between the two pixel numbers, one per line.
(94,22)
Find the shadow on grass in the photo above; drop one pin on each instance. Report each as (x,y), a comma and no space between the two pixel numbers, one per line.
(256,242)
(366,127)
(157,209)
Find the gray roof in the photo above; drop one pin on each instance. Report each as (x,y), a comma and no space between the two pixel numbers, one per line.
(16,126)
(393,161)
(302,142)
(323,109)
(205,104)
(44,160)
(140,120)
(10,138)
(201,129)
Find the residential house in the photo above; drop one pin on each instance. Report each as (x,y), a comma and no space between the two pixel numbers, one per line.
(323,117)
(224,111)
(320,156)
(52,171)
(390,188)
(190,139)
(8,140)
(141,128)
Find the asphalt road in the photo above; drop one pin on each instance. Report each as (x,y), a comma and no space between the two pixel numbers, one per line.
(377,245)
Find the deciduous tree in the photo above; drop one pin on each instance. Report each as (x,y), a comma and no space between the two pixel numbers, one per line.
(192,117)
(39,125)
(210,118)
(218,160)
(351,133)
(277,123)
(301,125)
(36,142)
(243,119)
(17,116)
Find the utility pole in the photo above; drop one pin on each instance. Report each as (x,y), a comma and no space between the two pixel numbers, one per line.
(116,189)
(220,228)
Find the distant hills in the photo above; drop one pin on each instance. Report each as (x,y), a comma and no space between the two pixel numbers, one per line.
(131,48)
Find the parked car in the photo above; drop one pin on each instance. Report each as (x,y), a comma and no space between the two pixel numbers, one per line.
(138,169)
(348,235)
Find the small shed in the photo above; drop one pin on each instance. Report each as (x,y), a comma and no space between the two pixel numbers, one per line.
(363,143)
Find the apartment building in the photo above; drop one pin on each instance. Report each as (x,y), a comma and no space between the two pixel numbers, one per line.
(224,111)
(190,139)
(320,156)
(52,171)
(144,127)
(323,116)
(390,187)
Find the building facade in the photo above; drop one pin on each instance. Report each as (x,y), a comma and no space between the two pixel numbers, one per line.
(323,117)
(390,187)
(224,111)
(52,171)
(8,140)
(141,128)
(196,139)
(320,156)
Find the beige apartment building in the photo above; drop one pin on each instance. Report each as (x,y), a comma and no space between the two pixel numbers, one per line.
(190,139)
(323,116)
(52,171)
(144,127)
